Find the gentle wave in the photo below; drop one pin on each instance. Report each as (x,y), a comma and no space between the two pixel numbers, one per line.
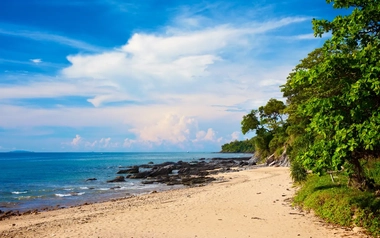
(17,192)
(24,197)
(103,189)
(28,197)
(68,194)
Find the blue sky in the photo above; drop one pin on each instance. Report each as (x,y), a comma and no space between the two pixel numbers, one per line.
(118,75)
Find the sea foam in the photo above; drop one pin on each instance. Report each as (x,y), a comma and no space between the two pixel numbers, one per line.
(68,194)
(17,192)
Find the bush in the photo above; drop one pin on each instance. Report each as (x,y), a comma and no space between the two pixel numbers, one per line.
(297,172)
(336,203)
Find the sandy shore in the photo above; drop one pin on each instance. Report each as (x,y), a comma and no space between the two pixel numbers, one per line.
(251,203)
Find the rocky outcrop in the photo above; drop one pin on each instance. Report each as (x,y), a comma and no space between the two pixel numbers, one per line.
(117,179)
(280,161)
(139,175)
(8,214)
(253,160)
(190,181)
(188,173)
(132,170)
(195,172)
(165,170)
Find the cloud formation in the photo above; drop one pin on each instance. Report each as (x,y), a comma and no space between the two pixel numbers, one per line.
(171,61)
(76,140)
(32,34)
(36,61)
(184,85)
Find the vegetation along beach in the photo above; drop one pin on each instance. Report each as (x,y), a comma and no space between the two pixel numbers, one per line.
(190,118)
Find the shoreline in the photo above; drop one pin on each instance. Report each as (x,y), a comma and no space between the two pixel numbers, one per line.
(249,203)
(143,177)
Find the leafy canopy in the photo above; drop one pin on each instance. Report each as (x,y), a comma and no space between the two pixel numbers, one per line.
(269,126)
(334,94)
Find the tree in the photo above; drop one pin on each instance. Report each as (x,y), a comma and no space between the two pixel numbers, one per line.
(335,94)
(245,146)
(269,126)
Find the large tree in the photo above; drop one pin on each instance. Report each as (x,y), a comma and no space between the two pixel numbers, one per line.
(335,94)
(269,126)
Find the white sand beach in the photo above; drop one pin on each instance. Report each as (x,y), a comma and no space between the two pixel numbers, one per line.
(250,203)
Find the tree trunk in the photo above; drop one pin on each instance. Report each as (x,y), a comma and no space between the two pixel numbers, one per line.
(357,179)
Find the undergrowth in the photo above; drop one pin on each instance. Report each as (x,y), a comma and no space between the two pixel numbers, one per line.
(336,203)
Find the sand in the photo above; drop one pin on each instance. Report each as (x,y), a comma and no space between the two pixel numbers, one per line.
(250,203)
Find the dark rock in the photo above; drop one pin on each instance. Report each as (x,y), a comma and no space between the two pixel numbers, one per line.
(91,179)
(282,160)
(270,160)
(189,181)
(187,173)
(170,180)
(253,160)
(117,179)
(151,162)
(184,170)
(165,164)
(123,171)
(9,214)
(139,175)
(161,171)
(132,170)
(148,181)
(146,166)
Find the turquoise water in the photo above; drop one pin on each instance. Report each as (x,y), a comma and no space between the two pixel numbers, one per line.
(37,180)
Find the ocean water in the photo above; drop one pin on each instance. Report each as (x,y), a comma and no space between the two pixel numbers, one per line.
(39,180)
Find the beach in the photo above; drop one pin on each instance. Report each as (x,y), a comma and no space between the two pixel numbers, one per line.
(249,203)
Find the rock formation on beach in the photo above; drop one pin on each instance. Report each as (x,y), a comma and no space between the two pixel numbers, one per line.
(194,172)
(185,173)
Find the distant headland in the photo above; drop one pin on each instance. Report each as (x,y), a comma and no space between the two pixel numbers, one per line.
(20,151)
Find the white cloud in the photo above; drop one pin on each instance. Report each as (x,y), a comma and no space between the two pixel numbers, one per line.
(205,136)
(91,144)
(105,142)
(47,88)
(235,135)
(168,84)
(32,34)
(128,142)
(76,140)
(36,61)
(171,128)
(173,61)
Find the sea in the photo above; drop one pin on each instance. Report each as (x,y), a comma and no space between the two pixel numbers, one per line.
(30,181)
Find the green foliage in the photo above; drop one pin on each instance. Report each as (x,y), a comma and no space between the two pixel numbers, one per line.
(269,126)
(372,170)
(334,94)
(250,122)
(298,172)
(246,146)
(339,204)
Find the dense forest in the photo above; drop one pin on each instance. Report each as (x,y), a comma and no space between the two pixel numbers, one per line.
(245,146)
(330,123)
